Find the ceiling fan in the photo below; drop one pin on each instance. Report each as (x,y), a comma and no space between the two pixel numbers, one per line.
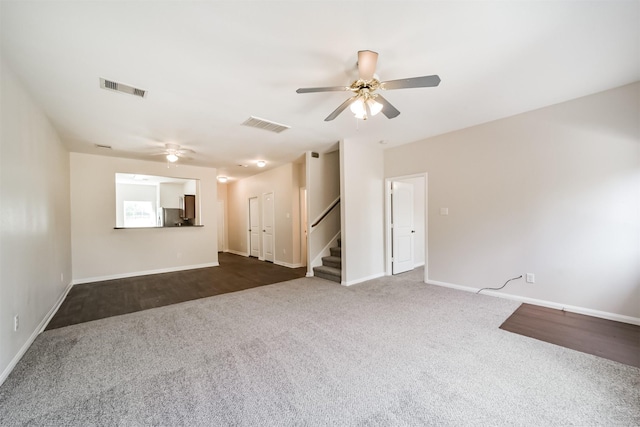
(366,102)
(173,152)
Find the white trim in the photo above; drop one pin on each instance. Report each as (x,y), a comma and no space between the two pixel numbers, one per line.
(309,274)
(143,273)
(544,303)
(55,308)
(286,264)
(43,324)
(364,279)
(231,251)
(317,261)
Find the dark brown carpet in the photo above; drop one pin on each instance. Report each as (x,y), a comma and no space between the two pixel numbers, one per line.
(92,301)
(605,338)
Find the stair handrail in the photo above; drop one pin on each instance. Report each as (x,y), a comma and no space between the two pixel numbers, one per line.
(326,212)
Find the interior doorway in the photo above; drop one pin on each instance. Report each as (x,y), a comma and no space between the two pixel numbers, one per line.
(221,227)
(402,229)
(406,223)
(268,243)
(254,228)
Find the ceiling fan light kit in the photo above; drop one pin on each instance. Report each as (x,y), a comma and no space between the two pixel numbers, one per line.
(365,102)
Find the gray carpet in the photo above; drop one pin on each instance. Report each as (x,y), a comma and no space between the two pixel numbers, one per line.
(392,351)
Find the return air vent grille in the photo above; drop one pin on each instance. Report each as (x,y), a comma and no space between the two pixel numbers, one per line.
(111,85)
(256,122)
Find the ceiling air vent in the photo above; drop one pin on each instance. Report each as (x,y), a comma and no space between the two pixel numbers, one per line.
(106,147)
(108,84)
(256,122)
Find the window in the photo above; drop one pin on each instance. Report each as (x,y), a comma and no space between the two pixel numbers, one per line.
(139,214)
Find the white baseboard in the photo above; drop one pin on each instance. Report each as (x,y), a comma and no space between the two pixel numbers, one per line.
(309,274)
(143,273)
(231,251)
(550,304)
(286,264)
(41,326)
(364,279)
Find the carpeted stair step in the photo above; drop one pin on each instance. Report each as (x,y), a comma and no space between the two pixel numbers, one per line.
(337,251)
(332,261)
(328,273)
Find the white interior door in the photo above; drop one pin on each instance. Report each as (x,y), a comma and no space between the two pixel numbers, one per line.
(254,228)
(220,225)
(402,231)
(267,226)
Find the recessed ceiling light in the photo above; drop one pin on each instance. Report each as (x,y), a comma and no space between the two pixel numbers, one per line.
(222,179)
(261,163)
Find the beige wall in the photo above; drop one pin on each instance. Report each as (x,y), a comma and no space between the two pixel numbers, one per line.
(554,192)
(100,252)
(324,182)
(35,235)
(282,181)
(362,210)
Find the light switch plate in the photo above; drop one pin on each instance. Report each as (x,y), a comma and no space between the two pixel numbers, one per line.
(444,211)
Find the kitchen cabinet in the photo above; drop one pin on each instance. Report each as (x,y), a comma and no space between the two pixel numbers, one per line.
(189,206)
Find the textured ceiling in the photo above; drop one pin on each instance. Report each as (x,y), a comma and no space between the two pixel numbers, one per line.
(208,66)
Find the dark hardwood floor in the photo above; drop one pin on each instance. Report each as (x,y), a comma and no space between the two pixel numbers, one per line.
(92,301)
(605,338)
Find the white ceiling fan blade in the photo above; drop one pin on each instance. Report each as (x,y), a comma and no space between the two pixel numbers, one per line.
(424,81)
(340,109)
(367,61)
(322,89)
(387,109)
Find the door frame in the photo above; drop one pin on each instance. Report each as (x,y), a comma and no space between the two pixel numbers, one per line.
(387,222)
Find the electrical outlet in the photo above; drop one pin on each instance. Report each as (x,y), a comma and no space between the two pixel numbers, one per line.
(16,323)
(531,278)
(179,255)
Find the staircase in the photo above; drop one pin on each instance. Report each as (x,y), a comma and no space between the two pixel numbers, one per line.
(331,268)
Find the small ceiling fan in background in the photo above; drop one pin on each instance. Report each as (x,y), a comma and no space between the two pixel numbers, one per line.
(366,102)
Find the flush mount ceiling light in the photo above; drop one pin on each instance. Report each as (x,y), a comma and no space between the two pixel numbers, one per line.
(223,179)
(261,163)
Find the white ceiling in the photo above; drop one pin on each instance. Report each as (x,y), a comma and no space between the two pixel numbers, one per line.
(208,66)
